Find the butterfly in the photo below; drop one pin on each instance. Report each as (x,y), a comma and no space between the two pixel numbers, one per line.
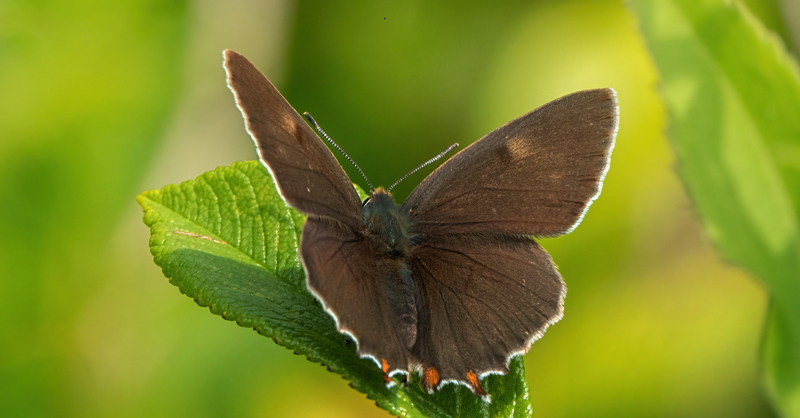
(449,284)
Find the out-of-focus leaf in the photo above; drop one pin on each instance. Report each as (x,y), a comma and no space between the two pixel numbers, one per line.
(227,240)
(733,96)
(86,88)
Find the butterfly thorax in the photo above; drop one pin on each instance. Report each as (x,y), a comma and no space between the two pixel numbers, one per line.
(388,225)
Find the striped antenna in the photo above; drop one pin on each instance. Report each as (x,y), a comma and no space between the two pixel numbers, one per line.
(442,154)
(321,132)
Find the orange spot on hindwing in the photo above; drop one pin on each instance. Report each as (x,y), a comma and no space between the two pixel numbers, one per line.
(430,379)
(385,367)
(473,378)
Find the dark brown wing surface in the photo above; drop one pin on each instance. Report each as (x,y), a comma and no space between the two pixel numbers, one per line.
(536,175)
(346,275)
(485,298)
(307,174)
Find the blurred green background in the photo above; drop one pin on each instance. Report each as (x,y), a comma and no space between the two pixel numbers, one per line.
(102,100)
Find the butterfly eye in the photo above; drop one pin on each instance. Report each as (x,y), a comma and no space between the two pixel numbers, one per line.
(366,201)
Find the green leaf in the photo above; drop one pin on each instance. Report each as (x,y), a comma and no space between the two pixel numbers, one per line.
(228,240)
(87,88)
(733,97)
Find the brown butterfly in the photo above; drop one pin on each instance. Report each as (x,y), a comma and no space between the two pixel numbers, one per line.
(449,284)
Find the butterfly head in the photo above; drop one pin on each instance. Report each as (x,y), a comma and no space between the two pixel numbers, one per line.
(387,224)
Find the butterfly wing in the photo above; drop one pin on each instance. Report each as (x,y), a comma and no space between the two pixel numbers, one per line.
(487,289)
(347,276)
(305,171)
(485,297)
(342,270)
(536,175)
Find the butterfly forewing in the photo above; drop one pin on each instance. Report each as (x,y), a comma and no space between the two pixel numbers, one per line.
(307,174)
(535,175)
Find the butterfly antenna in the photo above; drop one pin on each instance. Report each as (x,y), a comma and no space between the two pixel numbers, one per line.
(442,154)
(321,132)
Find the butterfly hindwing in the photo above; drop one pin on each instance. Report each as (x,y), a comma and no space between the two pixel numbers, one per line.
(536,175)
(485,297)
(307,174)
(350,280)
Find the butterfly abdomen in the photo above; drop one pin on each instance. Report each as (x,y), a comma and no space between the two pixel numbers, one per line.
(401,296)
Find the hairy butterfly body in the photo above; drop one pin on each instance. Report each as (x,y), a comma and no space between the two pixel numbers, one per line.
(449,284)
